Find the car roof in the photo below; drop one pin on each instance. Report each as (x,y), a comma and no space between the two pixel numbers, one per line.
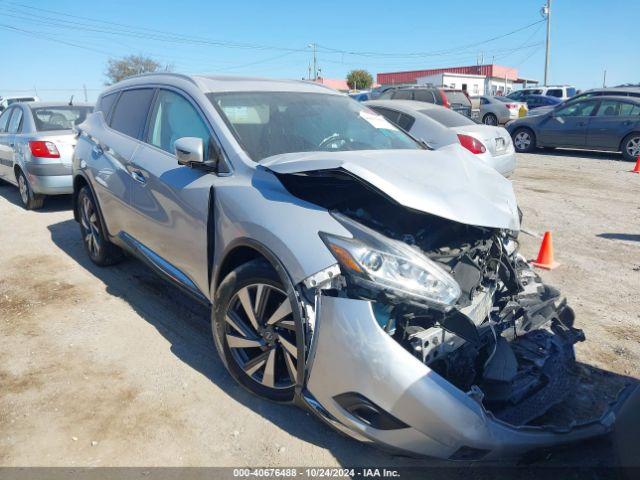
(225,83)
(407,105)
(56,104)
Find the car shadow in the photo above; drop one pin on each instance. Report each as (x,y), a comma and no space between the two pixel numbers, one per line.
(184,323)
(52,203)
(627,237)
(594,154)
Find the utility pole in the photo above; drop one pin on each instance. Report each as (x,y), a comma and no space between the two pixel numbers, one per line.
(84,88)
(604,79)
(312,46)
(546,11)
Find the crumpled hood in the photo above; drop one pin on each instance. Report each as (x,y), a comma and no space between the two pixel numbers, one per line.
(449,182)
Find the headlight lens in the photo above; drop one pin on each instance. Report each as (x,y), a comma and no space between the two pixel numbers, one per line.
(391,264)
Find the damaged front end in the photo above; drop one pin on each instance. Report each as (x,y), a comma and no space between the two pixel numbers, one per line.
(436,337)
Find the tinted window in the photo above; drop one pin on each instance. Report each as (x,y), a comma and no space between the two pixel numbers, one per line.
(576,109)
(614,108)
(105,104)
(447,117)
(131,111)
(402,94)
(173,117)
(555,92)
(272,123)
(629,110)
(59,118)
(4,120)
(389,114)
(484,101)
(423,96)
(457,97)
(387,94)
(571,91)
(406,121)
(15,125)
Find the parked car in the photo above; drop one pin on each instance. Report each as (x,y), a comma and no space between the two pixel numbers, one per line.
(6,101)
(608,123)
(562,92)
(456,100)
(349,269)
(36,145)
(539,101)
(500,110)
(596,92)
(360,96)
(490,144)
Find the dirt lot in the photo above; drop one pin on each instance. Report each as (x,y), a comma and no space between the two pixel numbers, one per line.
(112,367)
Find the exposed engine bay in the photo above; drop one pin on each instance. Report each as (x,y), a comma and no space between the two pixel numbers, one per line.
(508,340)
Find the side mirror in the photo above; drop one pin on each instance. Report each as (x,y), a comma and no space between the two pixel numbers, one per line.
(189,151)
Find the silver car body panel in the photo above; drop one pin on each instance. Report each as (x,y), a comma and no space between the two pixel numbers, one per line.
(449,182)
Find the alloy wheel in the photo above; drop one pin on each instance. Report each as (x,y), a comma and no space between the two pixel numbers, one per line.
(522,140)
(89,222)
(24,189)
(633,147)
(490,120)
(261,335)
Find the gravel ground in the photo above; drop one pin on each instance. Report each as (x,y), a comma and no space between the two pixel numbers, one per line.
(113,367)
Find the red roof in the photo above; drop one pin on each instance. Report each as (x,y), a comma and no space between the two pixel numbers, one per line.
(411,76)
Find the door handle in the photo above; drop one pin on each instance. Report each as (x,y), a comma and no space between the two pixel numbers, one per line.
(97,150)
(138,176)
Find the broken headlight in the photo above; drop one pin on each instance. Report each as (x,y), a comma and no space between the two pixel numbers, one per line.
(383,263)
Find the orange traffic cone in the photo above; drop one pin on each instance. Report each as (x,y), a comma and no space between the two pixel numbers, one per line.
(545,255)
(636,169)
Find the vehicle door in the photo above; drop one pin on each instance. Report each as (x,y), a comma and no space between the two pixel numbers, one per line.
(6,150)
(611,123)
(171,201)
(114,143)
(567,126)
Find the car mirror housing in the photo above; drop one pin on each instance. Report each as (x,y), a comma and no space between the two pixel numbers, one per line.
(189,151)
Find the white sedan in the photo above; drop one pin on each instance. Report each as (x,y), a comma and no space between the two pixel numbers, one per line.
(491,144)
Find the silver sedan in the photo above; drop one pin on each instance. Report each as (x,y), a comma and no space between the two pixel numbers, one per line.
(500,110)
(438,126)
(36,146)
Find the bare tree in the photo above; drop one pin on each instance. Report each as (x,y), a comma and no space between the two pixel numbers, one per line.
(121,68)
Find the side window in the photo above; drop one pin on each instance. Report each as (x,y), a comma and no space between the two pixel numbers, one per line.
(609,108)
(576,109)
(106,103)
(4,120)
(554,92)
(424,96)
(131,111)
(484,101)
(402,95)
(389,114)
(174,117)
(629,110)
(15,125)
(405,122)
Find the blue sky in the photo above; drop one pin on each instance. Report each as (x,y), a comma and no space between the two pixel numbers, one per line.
(57,54)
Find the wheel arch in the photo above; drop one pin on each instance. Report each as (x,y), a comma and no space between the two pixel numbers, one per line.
(625,137)
(80,181)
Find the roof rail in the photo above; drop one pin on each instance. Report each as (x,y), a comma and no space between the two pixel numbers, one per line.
(170,74)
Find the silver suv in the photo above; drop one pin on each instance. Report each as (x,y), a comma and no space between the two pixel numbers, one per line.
(349,268)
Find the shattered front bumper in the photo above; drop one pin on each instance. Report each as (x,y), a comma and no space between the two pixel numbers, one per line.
(414,409)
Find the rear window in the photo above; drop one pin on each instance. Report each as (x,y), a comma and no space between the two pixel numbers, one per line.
(457,97)
(554,92)
(59,118)
(571,91)
(131,111)
(447,117)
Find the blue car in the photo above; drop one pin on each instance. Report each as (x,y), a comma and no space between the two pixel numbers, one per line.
(537,101)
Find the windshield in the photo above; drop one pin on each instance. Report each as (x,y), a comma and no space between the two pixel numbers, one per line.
(447,117)
(59,118)
(272,123)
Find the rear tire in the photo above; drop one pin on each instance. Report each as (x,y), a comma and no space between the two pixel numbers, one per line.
(30,200)
(255,331)
(96,243)
(524,140)
(490,119)
(631,147)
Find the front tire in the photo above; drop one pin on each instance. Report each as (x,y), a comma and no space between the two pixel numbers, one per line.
(490,119)
(96,243)
(631,147)
(30,200)
(524,140)
(255,331)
